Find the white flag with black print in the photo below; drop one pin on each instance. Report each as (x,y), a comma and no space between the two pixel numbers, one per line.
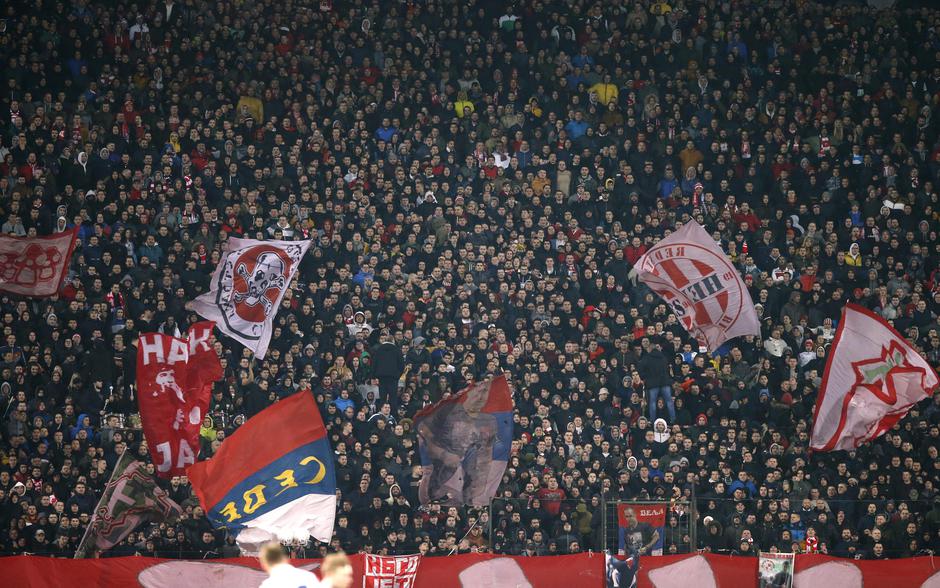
(247,288)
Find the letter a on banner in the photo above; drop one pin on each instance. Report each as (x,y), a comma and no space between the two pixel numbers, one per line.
(174,385)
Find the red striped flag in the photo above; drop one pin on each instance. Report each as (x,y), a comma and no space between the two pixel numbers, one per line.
(700,285)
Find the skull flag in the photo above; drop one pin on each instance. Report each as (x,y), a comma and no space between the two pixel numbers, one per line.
(247,288)
(700,285)
(35,266)
(872,379)
(174,385)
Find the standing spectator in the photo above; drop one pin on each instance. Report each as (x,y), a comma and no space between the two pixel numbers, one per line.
(657,379)
(388,363)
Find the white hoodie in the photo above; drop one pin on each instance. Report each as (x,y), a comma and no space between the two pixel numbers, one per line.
(661,436)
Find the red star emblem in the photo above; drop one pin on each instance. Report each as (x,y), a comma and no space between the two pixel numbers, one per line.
(877,375)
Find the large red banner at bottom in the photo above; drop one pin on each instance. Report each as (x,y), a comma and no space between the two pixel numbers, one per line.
(478,571)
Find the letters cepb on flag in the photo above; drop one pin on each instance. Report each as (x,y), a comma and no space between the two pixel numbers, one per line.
(273,478)
(872,379)
(464,443)
(174,386)
(247,287)
(130,499)
(35,266)
(700,285)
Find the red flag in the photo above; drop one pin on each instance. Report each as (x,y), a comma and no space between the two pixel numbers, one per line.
(274,478)
(174,384)
(873,376)
(35,266)
(700,285)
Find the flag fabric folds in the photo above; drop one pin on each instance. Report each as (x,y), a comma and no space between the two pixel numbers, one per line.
(247,288)
(702,287)
(873,377)
(464,443)
(130,499)
(274,478)
(174,386)
(35,266)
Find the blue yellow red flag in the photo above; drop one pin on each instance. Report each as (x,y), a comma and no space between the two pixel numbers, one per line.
(274,478)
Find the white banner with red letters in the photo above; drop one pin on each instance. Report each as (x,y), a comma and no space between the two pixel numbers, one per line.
(873,376)
(35,266)
(700,285)
(174,386)
(247,288)
(382,571)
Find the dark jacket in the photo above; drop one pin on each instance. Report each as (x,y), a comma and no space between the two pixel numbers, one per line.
(654,369)
(387,360)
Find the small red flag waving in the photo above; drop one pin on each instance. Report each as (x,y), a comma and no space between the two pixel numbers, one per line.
(174,385)
(35,266)
(873,376)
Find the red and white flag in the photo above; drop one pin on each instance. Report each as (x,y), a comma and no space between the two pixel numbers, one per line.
(873,376)
(700,285)
(247,288)
(35,266)
(174,386)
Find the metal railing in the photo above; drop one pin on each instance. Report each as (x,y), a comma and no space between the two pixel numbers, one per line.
(530,526)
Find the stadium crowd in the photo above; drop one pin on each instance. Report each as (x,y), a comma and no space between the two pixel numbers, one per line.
(478,179)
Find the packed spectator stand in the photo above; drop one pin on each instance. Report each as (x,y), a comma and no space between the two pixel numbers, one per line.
(478,179)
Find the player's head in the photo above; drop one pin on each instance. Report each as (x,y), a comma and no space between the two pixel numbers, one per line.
(337,569)
(630,517)
(476,399)
(271,554)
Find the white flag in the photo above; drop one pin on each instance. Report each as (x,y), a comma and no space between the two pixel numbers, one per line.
(247,288)
(873,377)
(700,285)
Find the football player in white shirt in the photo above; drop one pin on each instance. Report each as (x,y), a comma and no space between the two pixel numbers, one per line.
(337,571)
(280,573)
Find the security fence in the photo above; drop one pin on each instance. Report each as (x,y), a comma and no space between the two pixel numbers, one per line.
(847,528)
(534,526)
(650,528)
(549,526)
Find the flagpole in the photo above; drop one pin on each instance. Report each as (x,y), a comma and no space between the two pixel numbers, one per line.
(465,535)
(81,544)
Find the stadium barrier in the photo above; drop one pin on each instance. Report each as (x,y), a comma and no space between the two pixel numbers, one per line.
(474,571)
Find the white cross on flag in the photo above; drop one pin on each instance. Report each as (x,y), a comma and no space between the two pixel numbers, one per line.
(247,288)
(873,376)
(701,286)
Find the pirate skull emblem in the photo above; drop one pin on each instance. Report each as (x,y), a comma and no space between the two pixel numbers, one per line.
(267,275)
